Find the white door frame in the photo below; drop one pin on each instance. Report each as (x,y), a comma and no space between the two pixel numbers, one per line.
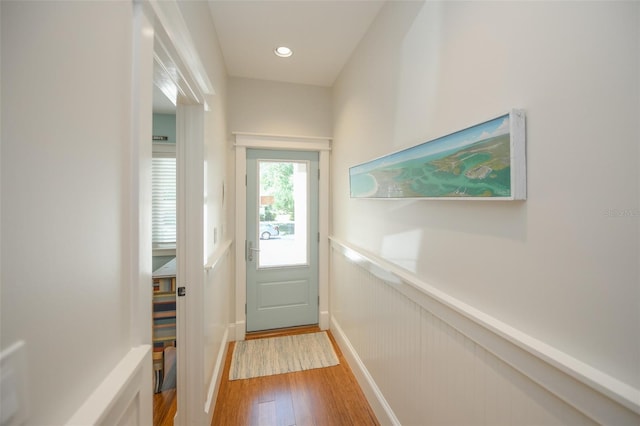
(190,265)
(171,47)
(322,145)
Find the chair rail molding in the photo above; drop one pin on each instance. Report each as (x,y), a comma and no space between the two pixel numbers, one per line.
(592,392)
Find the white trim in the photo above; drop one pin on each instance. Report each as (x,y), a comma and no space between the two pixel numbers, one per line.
(293,143)
(372,392)
(139,181)
(601,397)
(170,18)
(216,378)
(127,390)
(173,46)
(219,254)
(190,272)
(240,328)
(241,236)
(517,130)
(167,150)
(325,320)
(232,332)
(164,251)
(323,247)
(129,383)
(284,138)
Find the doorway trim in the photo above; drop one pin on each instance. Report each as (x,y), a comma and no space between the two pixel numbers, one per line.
(163,37)
(322,145)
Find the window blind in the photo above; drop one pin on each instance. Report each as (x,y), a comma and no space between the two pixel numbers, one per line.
(163,194)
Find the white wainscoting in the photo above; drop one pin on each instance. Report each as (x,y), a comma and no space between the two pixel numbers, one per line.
(217,302)
(124,397)
(423,357)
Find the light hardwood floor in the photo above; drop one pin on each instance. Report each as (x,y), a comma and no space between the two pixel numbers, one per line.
(164,408)
(325,396)
(322,397)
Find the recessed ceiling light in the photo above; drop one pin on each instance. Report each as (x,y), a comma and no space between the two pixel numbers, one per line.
(283,51)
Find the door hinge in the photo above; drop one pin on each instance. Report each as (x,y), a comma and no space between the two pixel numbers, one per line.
(182,291)
(245,309)
(245,180)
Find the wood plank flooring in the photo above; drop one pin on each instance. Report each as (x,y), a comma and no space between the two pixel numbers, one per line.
(325,396)
(164,407)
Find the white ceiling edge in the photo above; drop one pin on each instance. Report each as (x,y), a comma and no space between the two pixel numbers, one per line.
(322,33)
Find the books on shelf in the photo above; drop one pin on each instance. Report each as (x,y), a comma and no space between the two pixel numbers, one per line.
(164,317)
(164,285)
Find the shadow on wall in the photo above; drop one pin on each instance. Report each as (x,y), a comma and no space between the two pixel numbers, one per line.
(415,230)
(503,219)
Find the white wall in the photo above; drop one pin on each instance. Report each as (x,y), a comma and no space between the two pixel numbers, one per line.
(66,195)
(66,108)
(557,266)
(198,18)
(268,107)
(218,283)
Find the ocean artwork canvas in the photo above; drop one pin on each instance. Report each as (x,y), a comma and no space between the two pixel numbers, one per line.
(485,161)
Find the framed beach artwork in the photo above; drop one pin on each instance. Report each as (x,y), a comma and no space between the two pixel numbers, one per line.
(482,162)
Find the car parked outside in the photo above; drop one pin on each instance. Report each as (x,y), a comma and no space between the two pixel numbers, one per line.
(268,231)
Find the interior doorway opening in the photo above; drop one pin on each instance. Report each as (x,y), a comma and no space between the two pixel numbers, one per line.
(172,64)
(164,262)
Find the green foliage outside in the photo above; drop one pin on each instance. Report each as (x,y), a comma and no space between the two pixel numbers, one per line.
(277,179)
(268,215)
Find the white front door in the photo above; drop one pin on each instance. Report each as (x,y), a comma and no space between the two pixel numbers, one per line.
(282,239)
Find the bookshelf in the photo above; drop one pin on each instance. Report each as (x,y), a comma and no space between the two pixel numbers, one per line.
(164,317)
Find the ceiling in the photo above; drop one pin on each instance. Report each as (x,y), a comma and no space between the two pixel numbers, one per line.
(322,33)
(161,103)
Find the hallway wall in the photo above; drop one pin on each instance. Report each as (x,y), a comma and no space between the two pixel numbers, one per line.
(66,114)
(218,282)
(283,109)
(561,266)
(68,190)
(216,150)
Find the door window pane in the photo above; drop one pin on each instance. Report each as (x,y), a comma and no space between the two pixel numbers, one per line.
(283,213)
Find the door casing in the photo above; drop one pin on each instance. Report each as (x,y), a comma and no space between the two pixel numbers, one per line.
(322,145)
(296,283)
(153,43)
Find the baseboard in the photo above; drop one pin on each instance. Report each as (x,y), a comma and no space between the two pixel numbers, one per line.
(374,396)
(231,332)
(240,328)
(216,377)
(324,320)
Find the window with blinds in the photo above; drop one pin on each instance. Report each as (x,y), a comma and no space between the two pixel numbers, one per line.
(163,193)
